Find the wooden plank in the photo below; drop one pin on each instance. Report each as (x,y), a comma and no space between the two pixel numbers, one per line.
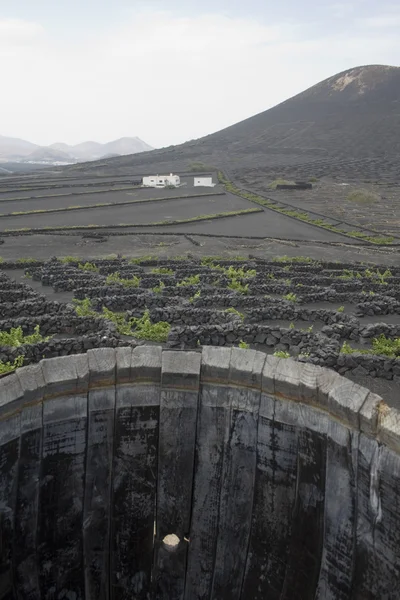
(213,426)
(135,476)
(305,552)
(365,580)
(377,566)
(96,511)
(387,524)
(9,455)
(238,475)
(212,431)
(336,576)
(178,416)
(134,492)
(275,493)
(62,477)
(236,506)
(25,555)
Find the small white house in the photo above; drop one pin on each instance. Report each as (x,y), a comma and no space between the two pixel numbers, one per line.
(161,180)
(203,182)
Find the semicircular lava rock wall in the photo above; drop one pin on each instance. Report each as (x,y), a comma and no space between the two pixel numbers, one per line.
(142,473)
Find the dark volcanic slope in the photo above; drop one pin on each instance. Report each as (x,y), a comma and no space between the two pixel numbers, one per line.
(347,125)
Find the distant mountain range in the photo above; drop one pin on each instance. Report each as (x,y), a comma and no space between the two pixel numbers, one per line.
(17,150)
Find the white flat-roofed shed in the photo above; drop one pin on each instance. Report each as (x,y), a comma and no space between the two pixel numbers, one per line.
(203,182)
(161,180)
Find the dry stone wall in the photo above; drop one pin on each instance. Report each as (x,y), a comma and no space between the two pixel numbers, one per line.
(279,301)
(150,474)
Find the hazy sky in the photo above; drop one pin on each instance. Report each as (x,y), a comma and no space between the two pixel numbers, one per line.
(75,70)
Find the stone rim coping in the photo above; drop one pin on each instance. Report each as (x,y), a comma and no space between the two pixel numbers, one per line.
(283,379)
(181,372)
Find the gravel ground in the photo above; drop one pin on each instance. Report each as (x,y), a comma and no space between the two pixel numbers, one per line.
(170,245)
(330,198)
(266,224)
(140,213)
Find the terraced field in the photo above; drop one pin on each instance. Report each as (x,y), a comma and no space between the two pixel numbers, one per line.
(343,316)
(365,203)
(42,205)
(147,212)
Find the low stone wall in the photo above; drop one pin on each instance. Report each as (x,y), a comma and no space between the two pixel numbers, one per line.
(16,294)
(69,284)
(314,348)
(353,330)
(117,300)
(330,295)
(315,267)
(375,329)
(118,289)
(66,322)
(191,316)
(289,311)
(193,327)
(378,306)
(12,286)
(321,348)
(49,277)
(372,365)
(223,298)
(33,353)
(124,302)
(185,438)
(340,284)
(122,267)
(38,305)
(20,264)
(306,287)
(105,266)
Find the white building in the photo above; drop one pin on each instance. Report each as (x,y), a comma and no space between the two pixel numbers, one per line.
(161,180)
(203,182)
